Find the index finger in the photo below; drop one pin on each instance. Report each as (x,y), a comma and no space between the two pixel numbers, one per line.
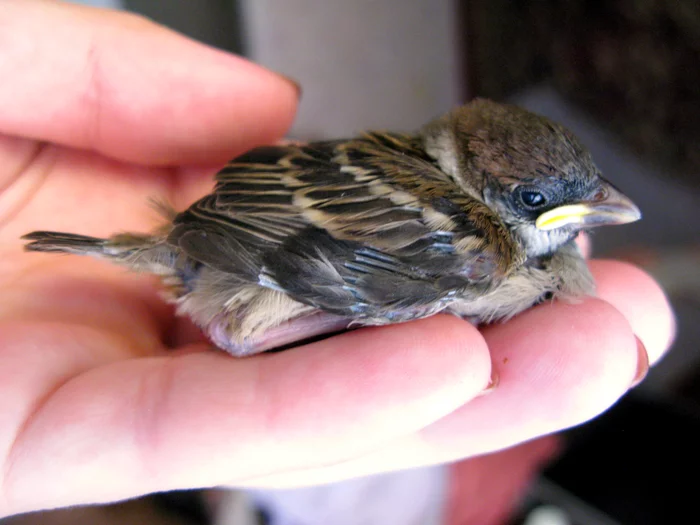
(125,87)
(197,419)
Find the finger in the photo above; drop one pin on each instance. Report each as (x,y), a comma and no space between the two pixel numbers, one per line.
(59,319)
(558,365)
(70,190)
(199,419)
(583,241)
(640,299)
(85,292)
(485,489)
(601,347)
(130,89)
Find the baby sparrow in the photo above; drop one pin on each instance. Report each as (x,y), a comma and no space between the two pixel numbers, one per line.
(475,215)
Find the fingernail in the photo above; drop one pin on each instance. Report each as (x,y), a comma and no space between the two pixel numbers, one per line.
(493,383)
(294,83)
(642,363)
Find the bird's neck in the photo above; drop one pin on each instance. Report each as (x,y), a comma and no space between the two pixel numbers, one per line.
(442,148)
(538,243)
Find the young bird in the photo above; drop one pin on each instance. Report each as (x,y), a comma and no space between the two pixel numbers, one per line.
(475,215)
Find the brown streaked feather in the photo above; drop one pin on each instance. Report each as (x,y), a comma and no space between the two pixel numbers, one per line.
(357,227)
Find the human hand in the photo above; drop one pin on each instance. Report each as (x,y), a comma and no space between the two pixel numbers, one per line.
(103,393)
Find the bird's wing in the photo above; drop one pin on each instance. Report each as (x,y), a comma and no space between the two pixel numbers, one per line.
(370,219)
(250,212)
(394,198)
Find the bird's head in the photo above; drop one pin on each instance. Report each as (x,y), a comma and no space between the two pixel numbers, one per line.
(534,173)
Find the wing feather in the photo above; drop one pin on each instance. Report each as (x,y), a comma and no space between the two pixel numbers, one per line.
(369,223)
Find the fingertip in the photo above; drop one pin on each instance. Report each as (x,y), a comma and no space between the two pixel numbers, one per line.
(186,103)
(559,365)
(575,359)
(642,363)
(641,300)
(583,241)
(180,102)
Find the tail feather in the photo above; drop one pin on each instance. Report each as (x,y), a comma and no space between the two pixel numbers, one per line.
(136,251)
(46,241)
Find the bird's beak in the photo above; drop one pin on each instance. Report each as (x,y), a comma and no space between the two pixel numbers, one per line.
(612,208)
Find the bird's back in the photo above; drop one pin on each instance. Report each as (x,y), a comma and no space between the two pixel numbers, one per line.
(364,228)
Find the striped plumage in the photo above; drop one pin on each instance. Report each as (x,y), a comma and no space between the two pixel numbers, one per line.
(371,230)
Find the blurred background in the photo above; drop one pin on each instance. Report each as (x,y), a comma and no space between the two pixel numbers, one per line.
(623,75)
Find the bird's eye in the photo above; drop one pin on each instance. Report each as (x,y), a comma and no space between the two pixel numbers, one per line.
(532,199)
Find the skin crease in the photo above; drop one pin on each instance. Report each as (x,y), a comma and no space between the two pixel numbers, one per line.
(102,388)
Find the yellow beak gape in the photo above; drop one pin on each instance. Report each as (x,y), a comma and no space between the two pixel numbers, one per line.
(563,215)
